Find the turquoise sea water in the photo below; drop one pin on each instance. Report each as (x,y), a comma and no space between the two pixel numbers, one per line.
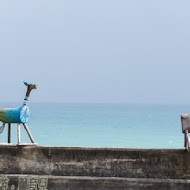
(104,125)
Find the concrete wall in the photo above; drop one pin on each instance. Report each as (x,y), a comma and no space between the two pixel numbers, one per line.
(149,167)
(138,163)
(33,182)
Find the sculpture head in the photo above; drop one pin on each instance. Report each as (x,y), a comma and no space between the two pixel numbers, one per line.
(30,87)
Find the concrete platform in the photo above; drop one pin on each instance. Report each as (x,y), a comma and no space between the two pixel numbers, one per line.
(56,168)
(34,182)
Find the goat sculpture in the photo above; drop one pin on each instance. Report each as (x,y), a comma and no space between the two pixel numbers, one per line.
(18,115)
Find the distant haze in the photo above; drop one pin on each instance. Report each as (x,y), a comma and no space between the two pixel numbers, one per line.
(127,51)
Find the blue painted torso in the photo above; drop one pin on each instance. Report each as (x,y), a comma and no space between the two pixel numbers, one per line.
(15,115)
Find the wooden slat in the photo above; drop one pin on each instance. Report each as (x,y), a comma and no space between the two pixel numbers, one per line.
(18,132)
(29,133)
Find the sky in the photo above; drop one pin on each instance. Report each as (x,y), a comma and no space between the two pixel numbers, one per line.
(101,51)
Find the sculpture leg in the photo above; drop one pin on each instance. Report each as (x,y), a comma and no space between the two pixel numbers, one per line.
(29,133)
(9,133)
(18,132)
(2,127)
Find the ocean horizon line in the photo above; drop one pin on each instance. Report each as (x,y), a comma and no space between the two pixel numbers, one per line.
(114,103)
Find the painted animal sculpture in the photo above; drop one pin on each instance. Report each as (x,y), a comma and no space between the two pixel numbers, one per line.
(18,115)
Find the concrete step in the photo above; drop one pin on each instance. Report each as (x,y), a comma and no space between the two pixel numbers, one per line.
(95,162)
(48,182)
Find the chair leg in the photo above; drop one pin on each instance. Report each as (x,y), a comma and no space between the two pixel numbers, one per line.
(28,132)
(9,133)
(18,132)
(186,141)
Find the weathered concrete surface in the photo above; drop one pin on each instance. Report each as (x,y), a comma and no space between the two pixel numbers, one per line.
(96,162)
(34,182)
(93,168)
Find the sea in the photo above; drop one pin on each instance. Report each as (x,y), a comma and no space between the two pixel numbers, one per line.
(102,125)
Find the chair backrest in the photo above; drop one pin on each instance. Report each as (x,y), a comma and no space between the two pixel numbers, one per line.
(185,122)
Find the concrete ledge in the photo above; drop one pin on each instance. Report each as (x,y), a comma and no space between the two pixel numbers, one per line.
(96,162)
(57,168)
(28,182)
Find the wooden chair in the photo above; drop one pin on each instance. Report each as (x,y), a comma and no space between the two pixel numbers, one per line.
(185,122)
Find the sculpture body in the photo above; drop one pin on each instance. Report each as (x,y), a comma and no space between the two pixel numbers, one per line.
(15,115)
(18,115)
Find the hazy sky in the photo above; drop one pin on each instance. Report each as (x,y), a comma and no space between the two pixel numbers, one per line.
(96,50)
